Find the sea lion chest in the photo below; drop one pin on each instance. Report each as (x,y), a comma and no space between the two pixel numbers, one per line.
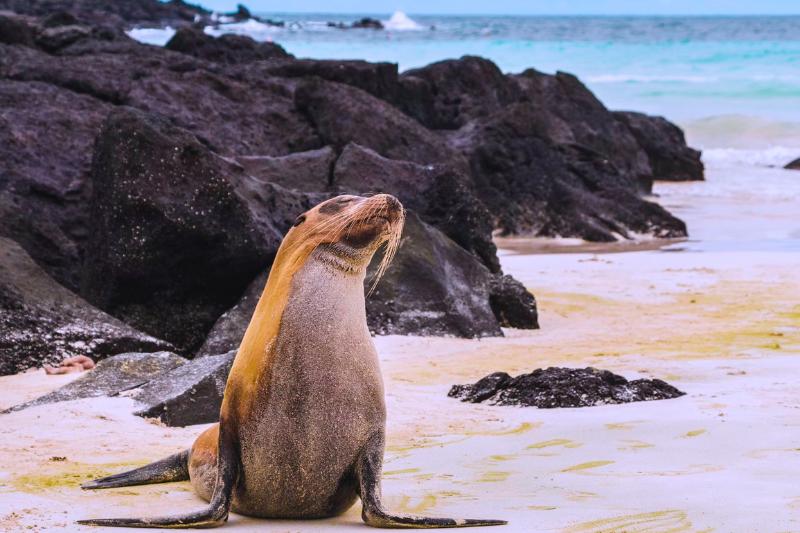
(323,400)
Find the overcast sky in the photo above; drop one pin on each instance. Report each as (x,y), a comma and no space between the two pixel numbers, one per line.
(515,7)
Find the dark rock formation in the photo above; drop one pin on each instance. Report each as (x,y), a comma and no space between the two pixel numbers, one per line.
(122,13)
(512,304)
(15,30)
(228,330)
(563,387)
(794,165)
(670,158)
(301,171)
(178,231)
(434,287)
(41,322)
(342,114)
(365,23)
(451,93)
(228,48)
(112,377)
(188,394)
(168,212)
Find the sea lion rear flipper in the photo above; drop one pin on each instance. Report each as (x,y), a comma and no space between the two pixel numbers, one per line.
(173,468)
(368,471)
(214,515)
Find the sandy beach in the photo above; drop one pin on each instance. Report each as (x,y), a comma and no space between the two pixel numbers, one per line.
(718,319)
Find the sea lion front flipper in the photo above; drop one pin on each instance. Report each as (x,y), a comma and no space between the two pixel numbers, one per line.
(215,514)
(368,471)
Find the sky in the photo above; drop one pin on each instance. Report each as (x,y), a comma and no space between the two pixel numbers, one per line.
(520,7)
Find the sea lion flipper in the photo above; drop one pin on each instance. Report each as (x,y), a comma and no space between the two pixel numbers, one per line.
(368,471)
(173,468)
(215,514)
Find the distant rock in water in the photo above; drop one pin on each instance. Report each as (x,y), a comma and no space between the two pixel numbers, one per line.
(563,387)
(794,165)
(365,23)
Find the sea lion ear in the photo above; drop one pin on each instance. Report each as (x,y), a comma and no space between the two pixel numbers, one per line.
(299,220)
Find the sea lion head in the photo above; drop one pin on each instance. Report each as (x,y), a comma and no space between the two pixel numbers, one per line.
(348,230)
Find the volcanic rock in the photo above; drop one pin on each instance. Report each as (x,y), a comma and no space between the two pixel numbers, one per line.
(433,287)
(178,231)
(228,48)
(42,322)
(563,387)
(111,377)
(188,394)
(670,158)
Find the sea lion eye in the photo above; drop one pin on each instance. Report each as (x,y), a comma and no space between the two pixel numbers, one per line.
(299,220)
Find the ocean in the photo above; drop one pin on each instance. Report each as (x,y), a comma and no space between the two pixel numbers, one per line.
(732,83)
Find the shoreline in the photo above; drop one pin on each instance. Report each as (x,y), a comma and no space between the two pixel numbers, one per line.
(723,327)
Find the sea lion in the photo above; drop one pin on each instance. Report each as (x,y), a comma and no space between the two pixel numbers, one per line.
(302,423)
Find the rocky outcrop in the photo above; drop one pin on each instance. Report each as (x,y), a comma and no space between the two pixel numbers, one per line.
(301,171)
(188,394)
(228,330)
(670,158)
(158,182)
(42,322)
(122,13)
(111,377)
(164,385)
(793,165)
(434,287)
(178,231)
(563,387)
(512,304)
(227,48)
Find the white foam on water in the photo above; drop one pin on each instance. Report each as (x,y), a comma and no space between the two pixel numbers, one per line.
(399,21)
(154,36)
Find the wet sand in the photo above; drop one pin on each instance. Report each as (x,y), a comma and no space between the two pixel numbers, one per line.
(719,321)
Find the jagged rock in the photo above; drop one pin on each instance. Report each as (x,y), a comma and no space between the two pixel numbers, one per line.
(111,377)
(15,30)
(41,322)
(188,394)
(228,48)
(455,91)
(342,114)
(122,13)
(228,330)
(535,184)
(301,171)
(379,79)
(56,38)
(433,287)
(563,387)
(512,304)
(178,231)
(794,165)
(670,158)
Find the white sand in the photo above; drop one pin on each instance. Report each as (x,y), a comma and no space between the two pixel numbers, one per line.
(719,321)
